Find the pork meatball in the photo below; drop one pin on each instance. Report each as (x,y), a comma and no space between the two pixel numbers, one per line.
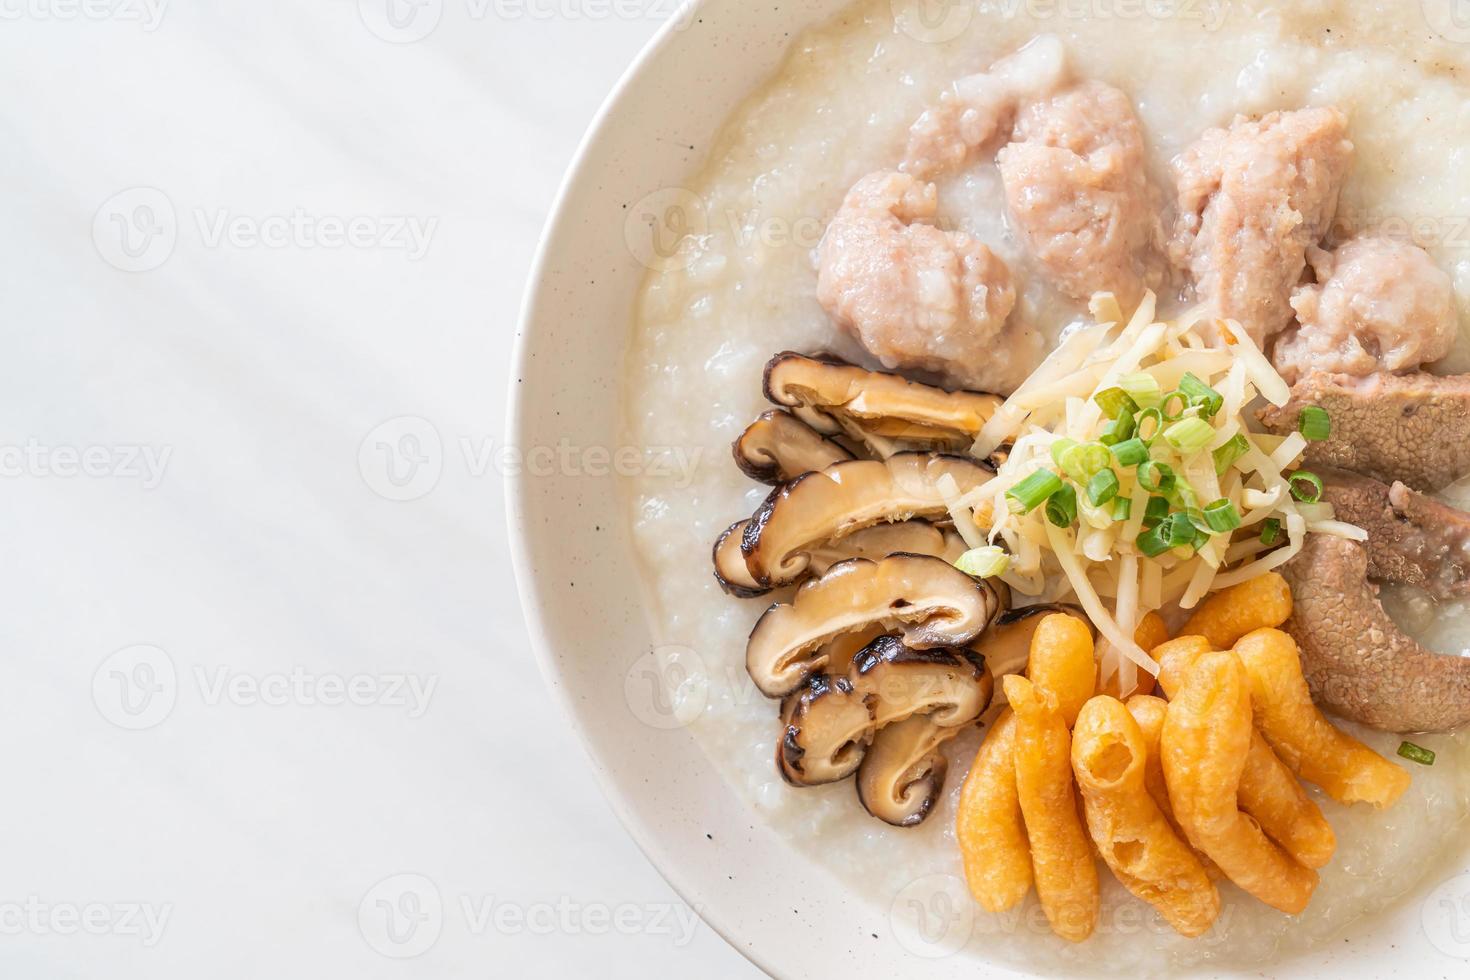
(1252,199)
(1077,186)
(915,296)
(1378,305)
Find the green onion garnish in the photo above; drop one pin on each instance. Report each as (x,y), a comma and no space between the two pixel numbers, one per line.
(1024,497)
(1313,491)
(1083,462)
(1227,454)
(1122,508)
(1416,753)
(1153,415)
(1155,511)
(1196,392)
(1102,487)
(1131,452)
(1270,531)
(1117,430)
(1179,530)
(1143,388)
(1154,541)
(985,562)
(1315,424)
(1222,516)
(1171,399)
(1189,435)
(1114,401)
(1155,477)
(1061,506)
(1059,449)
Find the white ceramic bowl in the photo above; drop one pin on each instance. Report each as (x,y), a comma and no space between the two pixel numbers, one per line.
(574,560)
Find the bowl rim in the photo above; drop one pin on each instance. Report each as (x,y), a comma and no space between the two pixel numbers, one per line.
(517,488)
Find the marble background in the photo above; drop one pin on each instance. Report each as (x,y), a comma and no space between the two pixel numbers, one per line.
(263,718)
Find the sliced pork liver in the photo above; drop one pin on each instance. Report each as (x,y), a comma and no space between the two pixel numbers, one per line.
(1411,427)
(1358,663)
(1411,538)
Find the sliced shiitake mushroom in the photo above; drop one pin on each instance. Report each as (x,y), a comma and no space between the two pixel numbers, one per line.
(778,447)
(1006,646)
(902,772)
(833,396)
(927,599)
(878,541)
(826,728)
(825,505)
(949,684)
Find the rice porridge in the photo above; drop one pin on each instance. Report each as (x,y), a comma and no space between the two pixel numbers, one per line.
(745,288)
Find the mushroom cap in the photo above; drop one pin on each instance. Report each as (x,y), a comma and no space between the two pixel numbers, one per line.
(902,772)
(831,395)
(828,504)
(826,728)
(778,447)
(929,600)
(730,568)
(951,685)
(1356,660)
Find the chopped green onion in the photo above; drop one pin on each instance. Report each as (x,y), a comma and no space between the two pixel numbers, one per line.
(1084,461)
(1059,449)
(1155,511)
(1270,531)
(1416,753)
(1155,477)
(1117,430)
(1114,401)
(1024,497)
(1313,493)
(1172,398)
(1227,454)
(1122,508)
(1178,530)
(1198,393)
(1315,424)
(1143,388)
(1131,452)
(986,562)
(1222,516)
(1154,541)
(1102,487)
(1149,414)
(1189,435)
(1061,507)
(1183,496)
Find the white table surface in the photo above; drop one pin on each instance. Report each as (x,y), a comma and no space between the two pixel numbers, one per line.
(210,301)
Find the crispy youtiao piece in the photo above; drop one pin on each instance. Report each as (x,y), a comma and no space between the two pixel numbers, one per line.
(1151,632)
(989,826)
(1346,769)
(1062,663)
(1148,713)
(1269,790)
(1109,756)
(1207,736)
(1231,613)
(1061,855)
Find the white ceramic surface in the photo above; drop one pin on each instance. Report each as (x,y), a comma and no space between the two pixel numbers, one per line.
(574,560)
(262,829)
